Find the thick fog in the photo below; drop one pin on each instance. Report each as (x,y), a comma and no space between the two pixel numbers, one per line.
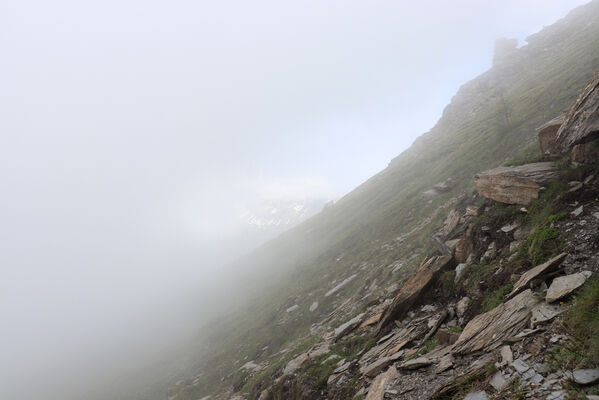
(136,137)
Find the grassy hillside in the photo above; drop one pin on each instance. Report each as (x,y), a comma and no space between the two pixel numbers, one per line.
(386,222)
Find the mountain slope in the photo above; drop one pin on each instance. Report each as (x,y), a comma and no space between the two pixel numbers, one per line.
(382,229)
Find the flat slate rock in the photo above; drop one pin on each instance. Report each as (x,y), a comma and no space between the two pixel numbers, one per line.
(487,331)
(416,363)
(544,312)
(585,376)
(564,285)
(347,327)
(373,369)
(480,395)
(412,290)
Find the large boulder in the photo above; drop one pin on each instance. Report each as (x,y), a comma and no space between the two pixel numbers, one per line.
(412,289)
(515,185)
(581,123)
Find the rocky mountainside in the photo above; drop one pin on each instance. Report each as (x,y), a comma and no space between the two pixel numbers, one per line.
(417,286)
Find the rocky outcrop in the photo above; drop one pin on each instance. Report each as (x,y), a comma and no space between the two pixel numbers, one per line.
(515,185)
(412,289)
(581,123)
(487,331)
(547,134)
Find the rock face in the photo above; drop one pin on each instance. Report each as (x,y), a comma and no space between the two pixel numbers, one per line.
(488,330)
(412,289)
(564,285)
(581,123)
(377,389)
(515,185)
(547,134)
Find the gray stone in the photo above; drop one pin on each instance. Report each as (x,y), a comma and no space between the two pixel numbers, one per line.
(514,245)
(510,227)
(462,306)
(564,285)
(506,354)
(339,286)
(498,381)
(292,308)
(295,364)
(578,211)
(544,312)
(348,326)
(520,366)
(429,308)
(480,395)
(459,271)
(445,363)
(585,376)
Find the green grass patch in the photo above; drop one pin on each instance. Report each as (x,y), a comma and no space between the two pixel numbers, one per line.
(582,322)
(455,329)
(496,297)
(516,389)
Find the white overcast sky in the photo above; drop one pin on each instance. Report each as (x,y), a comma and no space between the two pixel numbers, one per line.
(132,131)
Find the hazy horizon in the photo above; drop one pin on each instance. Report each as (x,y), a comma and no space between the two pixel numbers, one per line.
(138,136)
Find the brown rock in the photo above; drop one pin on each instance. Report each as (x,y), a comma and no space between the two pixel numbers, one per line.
(585,153)
(464,246)
(581,122)
(446,338)
(515,185)
(371,320)
(379,385)
(547,134)
(487,331)
(412,289)
(452,220)
(416,363)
